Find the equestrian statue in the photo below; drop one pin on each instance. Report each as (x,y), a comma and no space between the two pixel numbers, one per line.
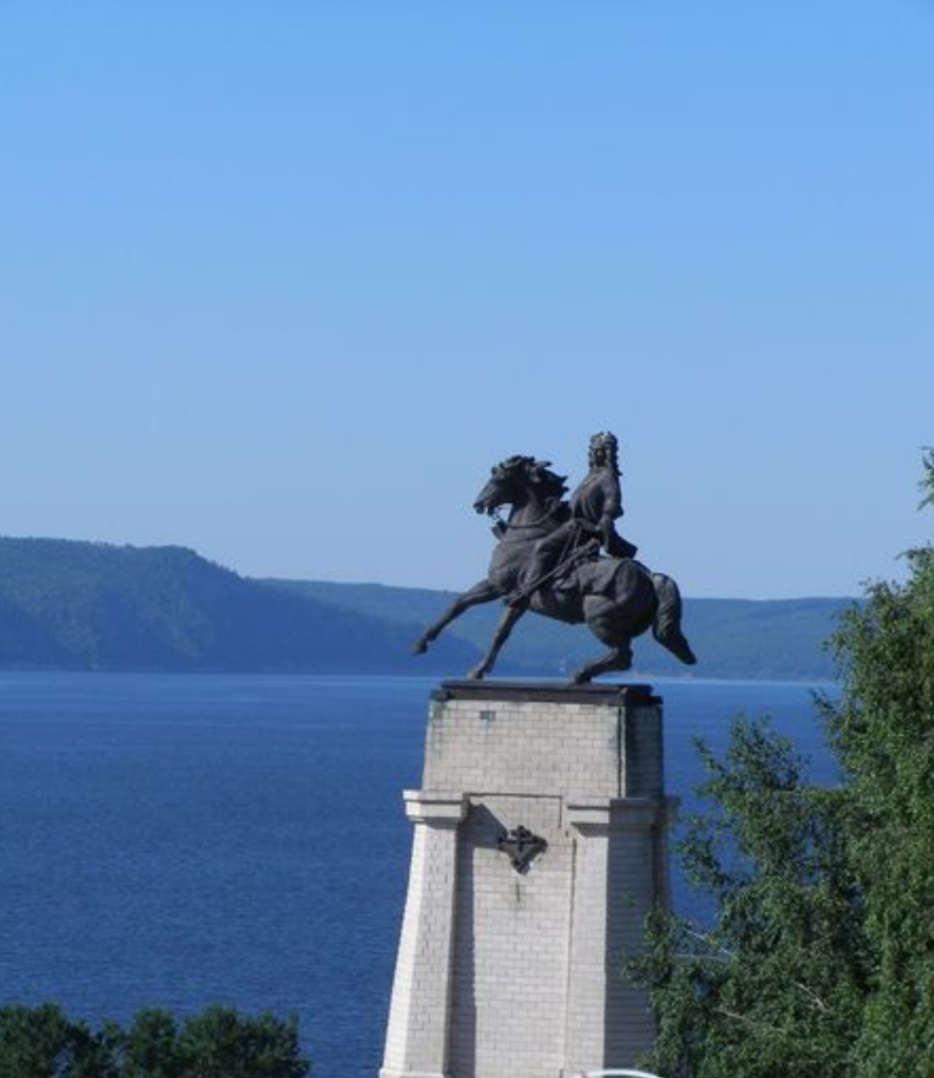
(564,559)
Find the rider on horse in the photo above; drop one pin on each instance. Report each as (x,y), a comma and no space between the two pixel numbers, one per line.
(617,597)
(594,505)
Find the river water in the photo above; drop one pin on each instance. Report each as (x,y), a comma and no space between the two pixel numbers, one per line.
(177,840)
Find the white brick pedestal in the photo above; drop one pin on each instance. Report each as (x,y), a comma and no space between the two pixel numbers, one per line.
(509,971)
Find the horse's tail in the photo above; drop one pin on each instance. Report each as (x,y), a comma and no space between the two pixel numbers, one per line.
(666,626)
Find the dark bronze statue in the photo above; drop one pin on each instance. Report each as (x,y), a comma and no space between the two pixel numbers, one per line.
(548,560)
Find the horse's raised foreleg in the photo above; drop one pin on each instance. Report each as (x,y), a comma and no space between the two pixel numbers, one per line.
(510,616)
(484,592)
(618,658)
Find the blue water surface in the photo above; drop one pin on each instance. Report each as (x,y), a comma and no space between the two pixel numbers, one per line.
(176,840)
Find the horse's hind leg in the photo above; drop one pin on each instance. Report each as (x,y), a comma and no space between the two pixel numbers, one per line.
(484,592)
(617,658)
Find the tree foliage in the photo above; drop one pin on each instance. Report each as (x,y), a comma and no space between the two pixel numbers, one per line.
(819,958)
(43,1042)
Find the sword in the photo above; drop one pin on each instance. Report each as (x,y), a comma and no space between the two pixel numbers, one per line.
(581,554)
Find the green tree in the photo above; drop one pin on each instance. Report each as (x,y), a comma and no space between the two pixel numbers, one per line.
(773,986)
(33,1041)
(219,1043)
(883,734)
(42,1042)
(149,1048)
(819,959)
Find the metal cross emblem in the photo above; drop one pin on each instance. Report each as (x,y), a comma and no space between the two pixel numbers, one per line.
(521,847)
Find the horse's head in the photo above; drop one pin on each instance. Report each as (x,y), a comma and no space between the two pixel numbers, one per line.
(518,480)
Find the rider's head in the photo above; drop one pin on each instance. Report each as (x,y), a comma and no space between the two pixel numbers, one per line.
(604,451)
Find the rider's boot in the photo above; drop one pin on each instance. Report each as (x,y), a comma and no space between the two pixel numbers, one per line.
(529,578)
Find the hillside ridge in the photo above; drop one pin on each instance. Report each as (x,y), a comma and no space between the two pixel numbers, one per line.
(72,604)
(75,604)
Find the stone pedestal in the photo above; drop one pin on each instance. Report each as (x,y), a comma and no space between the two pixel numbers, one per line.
(539,848)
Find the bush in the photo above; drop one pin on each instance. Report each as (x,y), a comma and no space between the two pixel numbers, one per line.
(42,1042)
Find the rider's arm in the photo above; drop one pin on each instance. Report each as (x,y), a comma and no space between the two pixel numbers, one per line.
(612,501)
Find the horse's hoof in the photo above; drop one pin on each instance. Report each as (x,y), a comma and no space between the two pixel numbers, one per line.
(581,678)
(476,674)
(419,647)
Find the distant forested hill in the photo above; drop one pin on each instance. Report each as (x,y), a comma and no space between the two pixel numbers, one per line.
(733,638)
(77,605)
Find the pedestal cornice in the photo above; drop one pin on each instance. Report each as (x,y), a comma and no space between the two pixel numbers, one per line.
(435,806)
(555,692)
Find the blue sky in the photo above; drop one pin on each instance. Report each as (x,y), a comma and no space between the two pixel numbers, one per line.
(280,281)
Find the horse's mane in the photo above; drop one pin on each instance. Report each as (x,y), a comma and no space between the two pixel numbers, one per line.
(538,473)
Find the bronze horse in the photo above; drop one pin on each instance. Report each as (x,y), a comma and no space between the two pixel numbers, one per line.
(618,598)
